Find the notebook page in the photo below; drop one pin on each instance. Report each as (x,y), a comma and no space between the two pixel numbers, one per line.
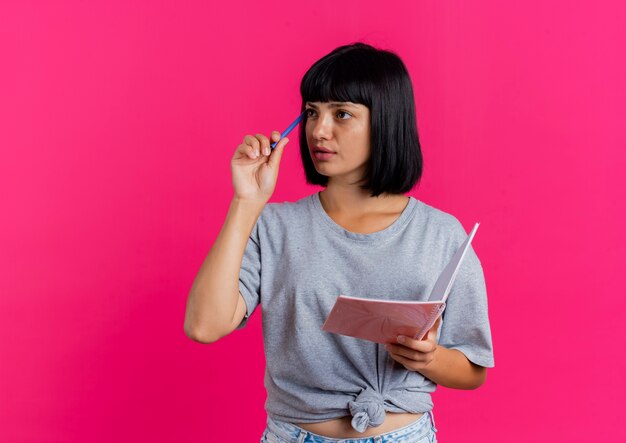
(446,278)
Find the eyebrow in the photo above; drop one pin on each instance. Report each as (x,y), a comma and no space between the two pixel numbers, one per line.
(333,104)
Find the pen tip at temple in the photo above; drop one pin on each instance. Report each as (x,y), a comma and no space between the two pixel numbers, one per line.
(289,129)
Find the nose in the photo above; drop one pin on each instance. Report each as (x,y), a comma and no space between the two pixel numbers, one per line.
(321,127)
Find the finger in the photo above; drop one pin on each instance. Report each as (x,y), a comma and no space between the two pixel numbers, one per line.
(407,363)
(244,150)
(432,332)
(413,362)
(407,353)
(277,153)
(265,144)
(254,143)
(437,323)
(275,136)
(427,345)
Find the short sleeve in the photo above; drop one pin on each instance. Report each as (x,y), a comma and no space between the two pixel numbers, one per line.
(250,274)
(465,324)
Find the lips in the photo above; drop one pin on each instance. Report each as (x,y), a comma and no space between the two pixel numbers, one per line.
(322,153)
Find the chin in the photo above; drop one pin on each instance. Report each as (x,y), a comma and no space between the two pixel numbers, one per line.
(322,171)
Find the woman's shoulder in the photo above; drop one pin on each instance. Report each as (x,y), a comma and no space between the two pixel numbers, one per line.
(438,216)
(440,222)
(287,210)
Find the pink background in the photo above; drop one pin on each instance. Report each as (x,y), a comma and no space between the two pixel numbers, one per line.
(117,124)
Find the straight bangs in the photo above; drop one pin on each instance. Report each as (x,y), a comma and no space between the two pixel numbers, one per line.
(336,80)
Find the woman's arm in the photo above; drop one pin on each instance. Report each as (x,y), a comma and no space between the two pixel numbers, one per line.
(446,367)
(214,305)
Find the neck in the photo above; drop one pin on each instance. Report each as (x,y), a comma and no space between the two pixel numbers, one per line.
(351,199)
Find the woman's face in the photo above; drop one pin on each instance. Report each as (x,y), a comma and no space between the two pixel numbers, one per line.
(338,135)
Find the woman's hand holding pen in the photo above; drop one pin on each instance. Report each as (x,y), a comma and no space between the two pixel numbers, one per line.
(415,355)
(254,167)
(215,306)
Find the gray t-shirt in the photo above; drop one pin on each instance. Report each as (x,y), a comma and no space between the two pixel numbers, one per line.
(298,260)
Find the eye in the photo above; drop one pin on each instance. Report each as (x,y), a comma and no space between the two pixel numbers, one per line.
(343,115)
(309,112)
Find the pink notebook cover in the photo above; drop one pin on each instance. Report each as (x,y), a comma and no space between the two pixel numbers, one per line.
(381,321)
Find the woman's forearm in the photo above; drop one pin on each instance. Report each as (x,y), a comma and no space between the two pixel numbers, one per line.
(214,295)
(452,369)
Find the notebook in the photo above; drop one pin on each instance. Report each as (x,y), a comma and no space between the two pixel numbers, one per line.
(381,321)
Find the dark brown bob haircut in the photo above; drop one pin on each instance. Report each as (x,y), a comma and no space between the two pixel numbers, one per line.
(378,79)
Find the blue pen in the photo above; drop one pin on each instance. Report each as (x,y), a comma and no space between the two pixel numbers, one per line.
(289,129)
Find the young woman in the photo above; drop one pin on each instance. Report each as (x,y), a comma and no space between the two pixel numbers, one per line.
(359,236)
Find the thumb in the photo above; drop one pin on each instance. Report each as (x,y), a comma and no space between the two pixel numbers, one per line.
(432,332)
(277,153)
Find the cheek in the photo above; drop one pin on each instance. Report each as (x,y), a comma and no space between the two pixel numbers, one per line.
(364,145)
